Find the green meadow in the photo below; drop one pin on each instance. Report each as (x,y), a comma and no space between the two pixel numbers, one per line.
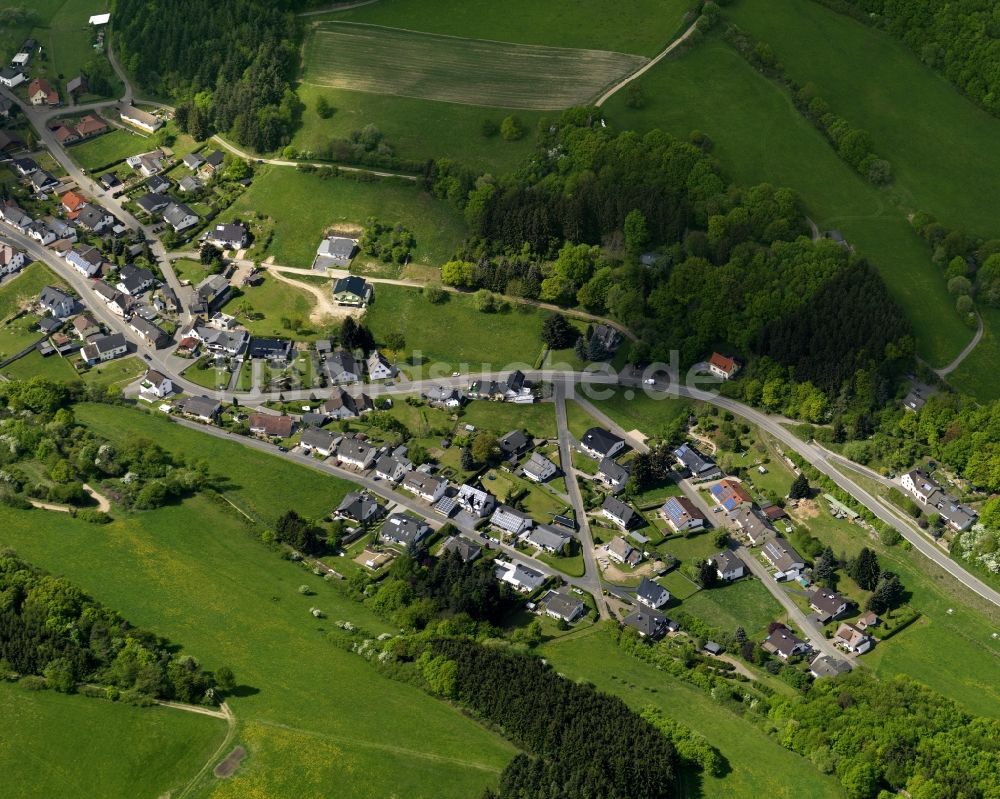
(760,137)
(98,748)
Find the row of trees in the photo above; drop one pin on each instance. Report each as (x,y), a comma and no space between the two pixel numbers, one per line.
(228,66)
(50,628)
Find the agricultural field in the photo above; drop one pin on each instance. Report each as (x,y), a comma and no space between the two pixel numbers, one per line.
(643,27)
(501,341)
(760,137)
(759,765)
(417,130)
(428,66)
(105,749)
(304,205)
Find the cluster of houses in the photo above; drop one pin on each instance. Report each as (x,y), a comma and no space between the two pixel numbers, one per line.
(156,203)
(16,72)
(56,307)
(515,388)
(928,493)
(70,132)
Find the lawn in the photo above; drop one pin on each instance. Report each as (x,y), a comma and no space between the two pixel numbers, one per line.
(759,765)
(25,287)
(501,417)
(304,205)
(573,566)
(406,63)
(189,270)
(272,301)
(316,719)
(17,334)
(679,586)
(454,335)
(263,486)
(68,39)
(55,367)
(104,749)
(978,374)
(636,26)
(651,414)
(746,603)
(417,130)
(578,421)
(118,373)
(204,373)
(759,136)
(109,148)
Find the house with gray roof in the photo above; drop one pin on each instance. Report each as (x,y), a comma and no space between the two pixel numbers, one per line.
(335,251)
(105,348)
(522,578)
(342,367)
(700,466)
(548,539)
(358,506)
(152,203)
(355,454)
(652,595)
(228,236)
(784,643)
(514,443)
(180,217)
(612,474)
(426,486)
(539,468)
(404,530)
(463,547)
(57,302)
(511,520)
(323,442)
(620,513)
(783,557)
(352,291)
(728,565)
(650,624)
(562,606)
(203,408)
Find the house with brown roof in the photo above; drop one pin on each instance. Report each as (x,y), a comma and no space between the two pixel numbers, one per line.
(722,366)
(267,424)
(827,604)
(784,643)
(91,125)
(852,639)
(65,135)
(41,93)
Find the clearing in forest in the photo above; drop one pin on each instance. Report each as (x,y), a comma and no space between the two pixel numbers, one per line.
(406,63)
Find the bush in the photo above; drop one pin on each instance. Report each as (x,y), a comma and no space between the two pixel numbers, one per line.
(93,516)
(34,683)
(511,128)
(435,294)
(489,128)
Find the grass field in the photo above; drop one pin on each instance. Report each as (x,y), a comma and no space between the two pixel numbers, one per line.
(649,413)
(304,205)
(17,334)
(745,603)
(406,63)
(109,148)
(25,287)
(416,129)
(501,417)
(54,367)
(978,374)
(118,373)
(759,765)
(759,136)
(274,300)
(482,341)
(108,750)
(636,26)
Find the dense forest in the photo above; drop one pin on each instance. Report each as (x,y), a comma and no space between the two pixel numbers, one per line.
(227,65)
(583,744)
(893,734)
(49,628)
(959,39)
(734,268)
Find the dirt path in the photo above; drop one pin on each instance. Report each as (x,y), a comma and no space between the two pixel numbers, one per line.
(103,504)
(325,308)
(337,7)
(646,67)
(225,713)
(944,371)
(35,503)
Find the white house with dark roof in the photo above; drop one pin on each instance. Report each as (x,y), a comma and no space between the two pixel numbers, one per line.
(320,441)
(539,468)
(475,501)
(751,524)
(392,469)
(612,474)
(560,605)
(404,530)
(652,595)
(379,367)
(355,454)
(140,119)
(104,349)
(155,385)
(548,539)
(511,520)
(621,551)
(619,512)
(728,565)
(827,604)
(11,260)
(228,236)
(648,623)
(700,466)
(784,643)
(852,639)
(342,367)
(599,443)
(463,547)
(335,251)
(783,557)
(523,578)
(682,515)
(514,443)
(426,486)
(357,506)
(56,302)
(352,291)
(180,217)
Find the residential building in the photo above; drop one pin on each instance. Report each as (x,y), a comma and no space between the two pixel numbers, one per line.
(619,512)
(562,606)
(202,408)
(682,515)
(927,491)
(335,251)
(548,539)
(463,547)
(56,302)
(342,367)
(230,236)
(153,203)
(65,135)
(94,218)
(523,579)
(827,604)
(155,385)
(212,163)
(355,454)
(722,366)
(607,337)
(783,557)
(539,468)
(110,180)
(342,405)
(426,486)
(180,217)
(612,474)
(42,182)
(730,494)
(323,442)
(25,166)
(751,524)
(272,349)
(446,397)
(475,501)
(866,620)
(41,232)
(41,93)
(621,551)
(189,184)
(11,76)
(649,624)
(404,530)
(150,333)
(514,389)
(826,666)
(392,469)
(91,125)
(784,643)
(700,466)
(514,443)
(379,367)
(229,344)
(146,164)
(728,565)
(352,291)
(511,520)
(852,639)
(652,595)
(140,119)
(11,260)
(213,292)
(599,443)
(77,86)
(193,161)
(358,506)
(158,184)
(105,348)
(270,425)
(134,280)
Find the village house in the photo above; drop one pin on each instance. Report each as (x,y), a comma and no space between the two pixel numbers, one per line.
(539,468)
(342,367)
(728,565)
(65,135)
(607,338)
(475,501)
(42,182)
(94,218)
(149,332)
(227,344)
(152,203)
(134,280)
(784,643)
(730,495)
(722,366)
(649,624)
(322,442)
(700,466)
(562,606)
(404,530)
(158,184)
(599,443)
(230,236)
(91,125)
(783,557)
(514,389)
(358,506)
(271,426)
(621,551)
(11,260)
(826,666)
(278,350)
(140,119)
(180,217)
(379,367)
(391,468)
(927,491)
(511,520)
(189,184)
(77,86)
(211,294)
(336,251)
(41,93)
(146,164)
(612,474)
(682,515)
(548,539)
(652,595)
(514,443)
(751,524)
(11,76)
(57,302)
(620,513)
(342,405)
(41,232)
(212,163)
(426,486)
(202,408)
(523,579)
(352,291)
(445,397)
(465,549)
(852,639)
(866,620)
(827,604)
(105,348)
(355,454)
(155,385)
(192,161)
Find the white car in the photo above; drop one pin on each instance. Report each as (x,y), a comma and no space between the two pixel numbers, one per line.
(649,381)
